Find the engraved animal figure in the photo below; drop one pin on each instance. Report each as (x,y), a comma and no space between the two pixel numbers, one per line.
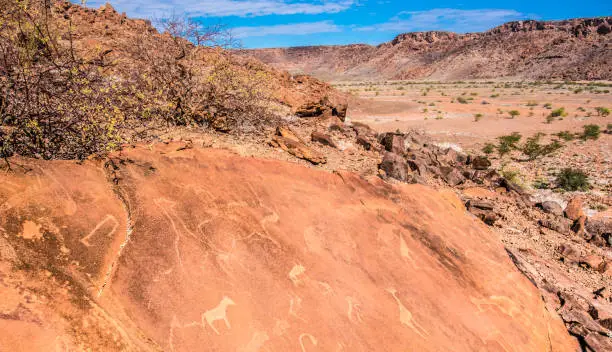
(406,317)
(218,313)
(312,339)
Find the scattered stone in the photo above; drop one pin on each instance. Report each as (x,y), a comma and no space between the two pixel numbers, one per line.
(593,261)
(481,204)
(488,217)
(481,163)
(568,254)
(579,227)
(452,176)
(559,225)
(599,226)
(363,130)
(364,142)
(288,133)
(418,166)
(551,207)
(323,138)
(574,211)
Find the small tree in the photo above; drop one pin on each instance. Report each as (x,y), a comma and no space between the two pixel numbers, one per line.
(513,113)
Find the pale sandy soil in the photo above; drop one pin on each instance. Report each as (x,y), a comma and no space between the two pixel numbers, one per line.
(434,107)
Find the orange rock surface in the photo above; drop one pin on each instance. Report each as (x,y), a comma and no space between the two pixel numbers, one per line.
(167,248)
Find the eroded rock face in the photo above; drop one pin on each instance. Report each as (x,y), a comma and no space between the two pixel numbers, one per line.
(168,248)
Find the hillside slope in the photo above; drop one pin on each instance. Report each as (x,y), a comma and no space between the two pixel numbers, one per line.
(167,248)
(578,49)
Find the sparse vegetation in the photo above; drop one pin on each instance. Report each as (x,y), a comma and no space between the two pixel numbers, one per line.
(533,149)
(601,111)
(508,143)
(573,180)
(489,148)
(566,135)
(591,132)
(477,117)
(560,112)
(513,113)
(56,104)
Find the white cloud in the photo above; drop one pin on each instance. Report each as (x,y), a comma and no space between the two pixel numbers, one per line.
(446,19)
(286,29)
(222,8)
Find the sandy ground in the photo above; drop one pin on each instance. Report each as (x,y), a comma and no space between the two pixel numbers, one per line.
(435,107)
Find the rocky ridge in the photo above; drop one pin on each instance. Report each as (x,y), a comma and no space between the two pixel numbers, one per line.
(576,49)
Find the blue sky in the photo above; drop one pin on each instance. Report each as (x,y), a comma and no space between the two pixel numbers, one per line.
(280,23)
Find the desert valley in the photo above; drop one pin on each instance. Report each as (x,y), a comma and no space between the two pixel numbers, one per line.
(438,192)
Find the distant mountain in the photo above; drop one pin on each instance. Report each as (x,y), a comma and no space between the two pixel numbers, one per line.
(576,49)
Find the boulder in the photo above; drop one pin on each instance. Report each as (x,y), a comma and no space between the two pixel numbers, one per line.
(393,142)
(452,175)
(573,210)
(362,129)
(364,142)
(323,138)
(298,149)
(481,163)
(227,253)
(551,207)
(395,166)
(558,225)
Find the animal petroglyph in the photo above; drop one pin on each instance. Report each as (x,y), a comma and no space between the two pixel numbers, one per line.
(405,252)
(406,317)
(504,304)
(354,310)
(313,340)
(257,341)
(218,313)
(327,289)
(295,304)
(166,207)
(295,272)
(108,219)
(313,240)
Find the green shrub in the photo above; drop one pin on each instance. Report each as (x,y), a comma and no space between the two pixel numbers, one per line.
(489,148)
(601,111)
(566,135)
(560,112)
(514,113)
(533,149)
(477,117)
(591,132)
(573,180)
(508,143)
(462,100)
